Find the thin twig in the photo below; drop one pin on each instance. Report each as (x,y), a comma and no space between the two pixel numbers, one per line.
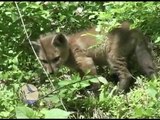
(31,44)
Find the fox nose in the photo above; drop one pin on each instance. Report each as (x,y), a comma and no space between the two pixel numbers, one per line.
(51,69)
(50,72)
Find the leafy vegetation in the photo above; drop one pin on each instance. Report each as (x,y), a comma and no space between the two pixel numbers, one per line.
(19,65)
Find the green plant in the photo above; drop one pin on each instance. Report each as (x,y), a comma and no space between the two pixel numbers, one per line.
(19,65)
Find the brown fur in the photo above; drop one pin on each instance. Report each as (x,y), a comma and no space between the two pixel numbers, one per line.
(125,44)
(74,51)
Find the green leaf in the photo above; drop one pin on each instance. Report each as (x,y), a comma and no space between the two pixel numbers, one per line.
(157,40)
(58,30)
(73,20)
(102,95)
(38,3)
(92,16)
(149,112)
(112,91)
(34,6)
(10,51)
(139,112)
(63,83)
(84,84)
(5,114)
(62,92)
(151,92)
(8,13)
(1,3)
(94,80)
(62,17)
(102,80)
(54,98)
(24,112)
(44,111)
(57,113)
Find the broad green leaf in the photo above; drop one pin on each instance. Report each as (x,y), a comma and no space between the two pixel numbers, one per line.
(84,84)
(139,112)
(151,92)
(5,114)
(63,83)
(57,113)
(94,80)
(102,80)
(24,112)
(149,112)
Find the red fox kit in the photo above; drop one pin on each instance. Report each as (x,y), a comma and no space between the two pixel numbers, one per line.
(57,49)
(74,51)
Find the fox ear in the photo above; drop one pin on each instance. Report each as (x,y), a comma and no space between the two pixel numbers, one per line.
(60,40)
(36,45)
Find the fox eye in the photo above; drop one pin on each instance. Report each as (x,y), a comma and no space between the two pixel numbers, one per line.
(56,59)
(44,61)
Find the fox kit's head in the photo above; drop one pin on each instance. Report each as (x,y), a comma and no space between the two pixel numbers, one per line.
(53,51)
